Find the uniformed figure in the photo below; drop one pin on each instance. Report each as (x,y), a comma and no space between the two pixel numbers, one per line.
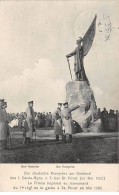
(43,119)
(112,121)
(3,126)
(104,119)
(58,122)
(30,121)
(67,119)
(20,119)
(39,119)
(36,119)
(47,120)
(50,119)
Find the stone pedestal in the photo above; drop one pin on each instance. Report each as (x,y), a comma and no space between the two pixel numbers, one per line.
(80,93)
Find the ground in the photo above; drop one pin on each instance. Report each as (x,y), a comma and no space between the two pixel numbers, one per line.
(85,148)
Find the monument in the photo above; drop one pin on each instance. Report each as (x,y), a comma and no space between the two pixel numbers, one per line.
(79,92)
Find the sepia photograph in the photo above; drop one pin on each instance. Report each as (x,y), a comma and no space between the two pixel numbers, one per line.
(59,82)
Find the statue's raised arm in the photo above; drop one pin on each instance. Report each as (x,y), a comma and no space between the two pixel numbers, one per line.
(89,37)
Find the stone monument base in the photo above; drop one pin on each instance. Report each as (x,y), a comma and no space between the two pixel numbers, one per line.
(80,93)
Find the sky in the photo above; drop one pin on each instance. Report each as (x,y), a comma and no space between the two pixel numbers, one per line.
(36,36)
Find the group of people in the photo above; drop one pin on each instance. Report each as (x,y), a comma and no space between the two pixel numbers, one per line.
(42,119)
(63,123)
(61,120)
(110,120)
(5,123)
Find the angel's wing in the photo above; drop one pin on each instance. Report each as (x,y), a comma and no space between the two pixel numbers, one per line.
(88,37)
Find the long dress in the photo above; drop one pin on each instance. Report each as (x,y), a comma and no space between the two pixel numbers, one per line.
(57,122)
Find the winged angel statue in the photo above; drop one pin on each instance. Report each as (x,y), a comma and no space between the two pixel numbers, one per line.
(84,45)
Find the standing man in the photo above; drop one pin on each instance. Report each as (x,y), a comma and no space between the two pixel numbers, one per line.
(105,118)
(43,119)
(36,119)
(67,120)
(39,119)
(30,121)
(3,127)
(58,122)
(47,120)
(50,119)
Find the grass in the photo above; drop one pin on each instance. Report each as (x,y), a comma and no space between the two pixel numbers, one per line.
(83,149)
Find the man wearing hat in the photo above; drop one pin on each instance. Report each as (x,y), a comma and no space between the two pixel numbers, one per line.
(50,119)
(58,122)
(30,121)
(3,127)
(67,119)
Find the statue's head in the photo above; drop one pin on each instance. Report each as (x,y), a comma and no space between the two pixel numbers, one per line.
(79,41)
